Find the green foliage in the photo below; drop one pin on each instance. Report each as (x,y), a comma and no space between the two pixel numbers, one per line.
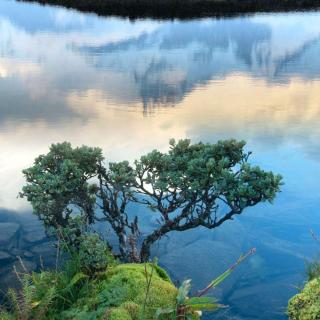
(85,247)
(221,169)
(183,292)
(127,283)
(116,293)
(25,304)
(125,291)
(186,308)
(118,314)
(306,304)
(189,186)
(200,184)
(313,270)
(93,254)
(57,183)
(48,294)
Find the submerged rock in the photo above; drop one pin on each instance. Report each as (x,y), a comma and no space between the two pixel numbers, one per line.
(24,266)
(43,249)
(45,252)
(33,232)
(8,234)
(4,256)
(27,254)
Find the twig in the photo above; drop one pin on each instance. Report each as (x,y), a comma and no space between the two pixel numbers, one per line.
(148,282)
(314,236)
(224,275)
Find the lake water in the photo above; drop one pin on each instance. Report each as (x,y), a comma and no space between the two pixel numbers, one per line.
(129,86)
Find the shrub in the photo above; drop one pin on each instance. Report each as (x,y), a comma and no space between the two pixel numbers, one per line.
(93,254)
(313,270)
(306,304)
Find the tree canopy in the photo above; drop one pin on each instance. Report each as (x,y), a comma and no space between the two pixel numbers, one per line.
(191,185)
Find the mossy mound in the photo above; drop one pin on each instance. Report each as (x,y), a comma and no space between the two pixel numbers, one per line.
(125,289)
(306,304)
(119,293)
(122,293)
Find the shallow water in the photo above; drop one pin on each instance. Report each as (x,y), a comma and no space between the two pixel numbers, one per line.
(129,86)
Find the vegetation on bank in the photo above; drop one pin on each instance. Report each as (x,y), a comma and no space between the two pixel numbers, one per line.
(116,293)
(306,304)
(170,9)
(190,186)
(91,284)
(71,189)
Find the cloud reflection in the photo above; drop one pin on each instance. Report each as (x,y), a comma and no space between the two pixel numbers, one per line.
(86,79)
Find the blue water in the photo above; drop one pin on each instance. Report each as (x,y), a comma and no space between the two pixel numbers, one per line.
(129,86)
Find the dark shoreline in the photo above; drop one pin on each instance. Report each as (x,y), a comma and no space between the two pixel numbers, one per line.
(182,9)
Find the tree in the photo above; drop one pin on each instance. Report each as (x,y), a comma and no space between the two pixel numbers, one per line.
(58,184)
(200,185)
(191,185)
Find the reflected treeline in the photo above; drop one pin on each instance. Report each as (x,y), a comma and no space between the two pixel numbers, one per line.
(167,64)
(148,63)
(183,9)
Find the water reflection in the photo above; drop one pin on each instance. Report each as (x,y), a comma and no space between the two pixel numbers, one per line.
(129,87)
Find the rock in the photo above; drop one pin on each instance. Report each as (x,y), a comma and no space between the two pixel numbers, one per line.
(45,252)
(4,256)
(16,252)
(27,254)
(8,234)
(33,232)
(43,249)
(21,253)
(24,266)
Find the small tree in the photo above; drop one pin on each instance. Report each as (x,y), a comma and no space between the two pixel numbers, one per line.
(192,185)
(200,185)
(58,184)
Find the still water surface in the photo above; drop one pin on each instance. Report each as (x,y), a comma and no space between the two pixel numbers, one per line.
(130,86)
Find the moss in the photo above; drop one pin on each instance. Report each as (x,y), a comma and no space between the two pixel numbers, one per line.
(126,286)
(162,273)
(115,294)
(118,314)
(306,304)
(132,308)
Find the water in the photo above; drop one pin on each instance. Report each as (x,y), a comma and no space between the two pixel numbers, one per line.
(130,86)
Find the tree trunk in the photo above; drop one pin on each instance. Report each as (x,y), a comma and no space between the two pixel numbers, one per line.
(123,246)
(149,240)
(145,250)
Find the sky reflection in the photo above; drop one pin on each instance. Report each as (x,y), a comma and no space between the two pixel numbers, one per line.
(130,86)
